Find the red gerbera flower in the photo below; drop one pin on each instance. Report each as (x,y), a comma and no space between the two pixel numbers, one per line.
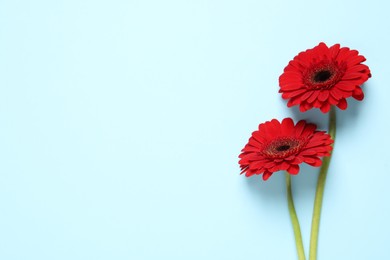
(282,146)
(323,76)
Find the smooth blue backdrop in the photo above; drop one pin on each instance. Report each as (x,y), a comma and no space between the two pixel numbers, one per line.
(121,123)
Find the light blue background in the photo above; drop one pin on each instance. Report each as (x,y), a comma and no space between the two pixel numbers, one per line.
(121,123)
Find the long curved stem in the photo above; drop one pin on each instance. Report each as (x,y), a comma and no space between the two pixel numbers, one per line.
(315,224)
(294,219)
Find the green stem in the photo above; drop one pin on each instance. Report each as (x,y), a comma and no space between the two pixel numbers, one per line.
(315,224)
(294,220)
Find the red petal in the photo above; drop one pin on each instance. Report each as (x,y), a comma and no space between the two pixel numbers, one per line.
(334,51)
(290,86)
(287,126)
(259,138)
(336,94)
(346,85)
(313,161)
(356,60)
(299,128)
(293,169)
(313,96)
(306,95)
(293,101)
(322,49)
(249,174)
(358,68)
(312,144)
(304,106)
(325,107)
(293,93)
(342,104)
(348,76)
(309,129)
(308,152)
(358,93)
(332,101)
(317,103)
(266,175)
(323,95)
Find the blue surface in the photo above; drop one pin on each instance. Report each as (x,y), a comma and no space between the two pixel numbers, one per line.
(121,123)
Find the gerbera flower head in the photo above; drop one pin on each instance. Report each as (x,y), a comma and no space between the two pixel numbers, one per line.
(283,146)
(324,76)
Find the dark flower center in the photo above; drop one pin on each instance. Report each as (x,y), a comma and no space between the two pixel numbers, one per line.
(283,147)
(322,76)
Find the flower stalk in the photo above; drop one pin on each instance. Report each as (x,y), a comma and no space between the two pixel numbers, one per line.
(315,224)
(294,220)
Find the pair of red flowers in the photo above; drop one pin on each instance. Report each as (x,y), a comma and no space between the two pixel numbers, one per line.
(316,78)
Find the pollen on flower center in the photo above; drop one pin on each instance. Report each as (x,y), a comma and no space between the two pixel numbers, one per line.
(282,147)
